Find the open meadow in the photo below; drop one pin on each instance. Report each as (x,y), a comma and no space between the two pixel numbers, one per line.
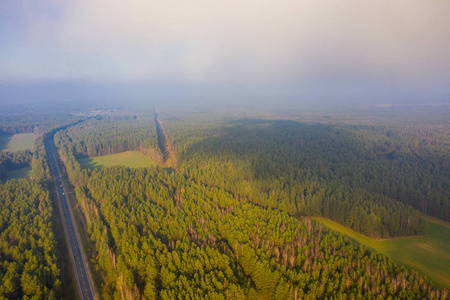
(429,254)
(132,159)
(16,142)
(18,173)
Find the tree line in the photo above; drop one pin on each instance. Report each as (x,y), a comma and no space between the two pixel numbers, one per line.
(355,175)
(162,235)
(368,178)
(29,262)
(110,135)
(38,123)
(14,160)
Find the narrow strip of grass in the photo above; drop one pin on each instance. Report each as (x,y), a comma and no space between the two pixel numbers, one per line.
(428,254)
(132,159)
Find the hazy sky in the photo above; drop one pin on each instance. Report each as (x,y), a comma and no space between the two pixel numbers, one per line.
(321,50)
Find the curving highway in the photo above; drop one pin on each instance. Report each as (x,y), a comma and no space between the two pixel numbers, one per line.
(84,282)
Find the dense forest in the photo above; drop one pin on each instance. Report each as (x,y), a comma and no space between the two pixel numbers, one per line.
(364,177)
(29,266)
(233,221)
(39,123)
(14,160)
(109,135)
(160,234)
(28,263)
(368,178)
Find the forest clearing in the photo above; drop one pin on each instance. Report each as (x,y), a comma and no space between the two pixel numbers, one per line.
(229,210)
(224,150)
(16,142)
(429,254)
(131,159)
(18,173)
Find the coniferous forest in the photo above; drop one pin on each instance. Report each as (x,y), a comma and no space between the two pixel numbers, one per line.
(29,262)
(224,150)
(232,219)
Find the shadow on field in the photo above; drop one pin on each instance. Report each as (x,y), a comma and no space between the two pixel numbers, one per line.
(4,141)
(89,163)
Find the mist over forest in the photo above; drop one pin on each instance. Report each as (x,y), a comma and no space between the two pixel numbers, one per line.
(87,55)
(224,149)
(83,96)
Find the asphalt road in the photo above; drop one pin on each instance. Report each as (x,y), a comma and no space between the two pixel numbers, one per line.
(84,284)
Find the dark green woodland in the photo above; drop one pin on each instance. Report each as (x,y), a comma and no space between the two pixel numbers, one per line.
(233,219)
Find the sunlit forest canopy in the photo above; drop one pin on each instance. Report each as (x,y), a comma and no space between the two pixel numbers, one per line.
(224,149)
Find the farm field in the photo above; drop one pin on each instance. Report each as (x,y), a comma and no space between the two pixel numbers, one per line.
(429,254)
(19,173)
(16,142)
(132,159)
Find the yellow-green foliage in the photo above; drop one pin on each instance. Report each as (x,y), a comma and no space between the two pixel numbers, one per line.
(429,254)
(132,159)
(28,263)
(16,142)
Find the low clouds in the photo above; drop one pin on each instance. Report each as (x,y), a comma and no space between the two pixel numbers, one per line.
(238,42)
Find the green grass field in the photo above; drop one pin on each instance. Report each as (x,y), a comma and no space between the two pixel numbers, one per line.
(16,142)
(19,173)
(428,254)
(132,159)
